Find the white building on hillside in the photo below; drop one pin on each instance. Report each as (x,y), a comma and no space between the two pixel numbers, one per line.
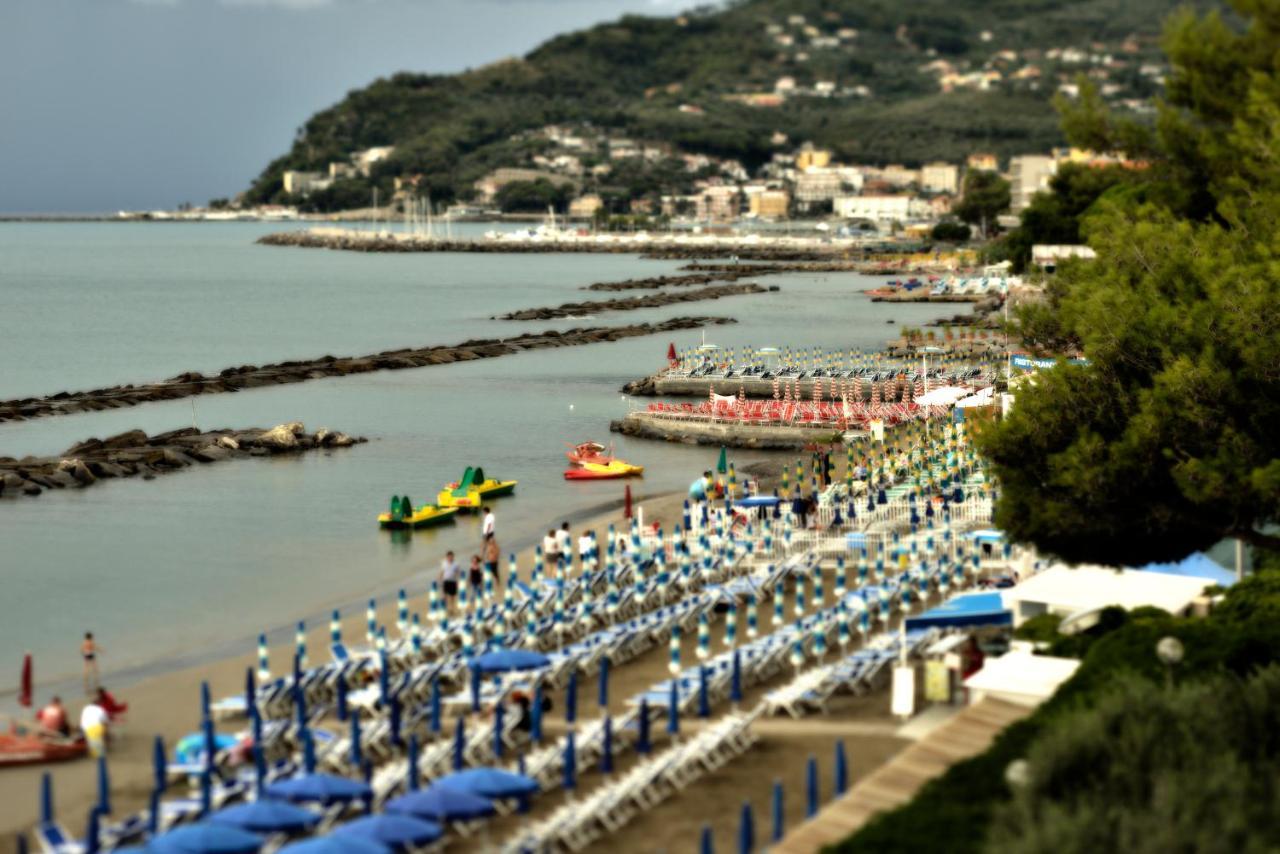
(880,208)
(1028,175)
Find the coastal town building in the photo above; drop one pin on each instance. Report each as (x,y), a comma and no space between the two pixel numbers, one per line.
(880,209)
(1028,175)
(585,207)
(304,183)
(818,185)
(718,204)
(812,158)
(983,161)
(939,177)
(769,204)
(899,175)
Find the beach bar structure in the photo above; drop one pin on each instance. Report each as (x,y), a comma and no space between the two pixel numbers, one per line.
(1075,593)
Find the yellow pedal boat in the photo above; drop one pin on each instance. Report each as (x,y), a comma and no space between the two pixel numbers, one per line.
(473,490)
(402,515)
(603,471)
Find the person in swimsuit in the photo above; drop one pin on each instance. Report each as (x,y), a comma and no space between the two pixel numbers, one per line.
(89,652)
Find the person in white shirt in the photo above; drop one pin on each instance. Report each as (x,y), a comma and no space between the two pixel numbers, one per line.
(450,571)
(586,549)
(551,549)
(564,542)
(93,722)
(490,523)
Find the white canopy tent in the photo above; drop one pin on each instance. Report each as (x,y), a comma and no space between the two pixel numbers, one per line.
(944,396)
(1066,591)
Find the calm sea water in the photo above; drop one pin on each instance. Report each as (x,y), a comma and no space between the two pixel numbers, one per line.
(193,562)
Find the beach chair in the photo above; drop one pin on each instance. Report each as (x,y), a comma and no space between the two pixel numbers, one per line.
(54,839)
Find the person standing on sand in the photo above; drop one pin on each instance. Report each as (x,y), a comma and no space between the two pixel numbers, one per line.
(93,722)
(89,651)
(449,571)
(491,555)
(564,542)
(551,549)
(475,577)
(489,527)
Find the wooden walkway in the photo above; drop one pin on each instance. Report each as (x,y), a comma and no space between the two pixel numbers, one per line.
(967,734)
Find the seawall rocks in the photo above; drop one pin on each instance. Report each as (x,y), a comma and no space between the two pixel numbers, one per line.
(579,309)
(135,454)
(253,376)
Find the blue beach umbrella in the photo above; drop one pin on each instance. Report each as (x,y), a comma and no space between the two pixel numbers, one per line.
(435,705)
(493,783)
(475,688)
(397,832)
(606,751)
(704,700)
(602,694)
(811,788)
(778,821)
(397,712)
(499,711)
(706,845)
(104,787)
(205,837)
(335,845)
(571,700)
(411,772)
(356,753)
(570,762)
(384,673)
(643,744)
(206,792)
(210,742)
(46,798)
(746,830)
(159,764)
(735,682)
(259,770)
(92,834)
(308,752)
(300,704)
(342,698)
(842,770)
(153,813)
(509,660)
(324,789)
(673,710)
(441,804)
(267,816)
(535,714)
(204,699)
(459,743)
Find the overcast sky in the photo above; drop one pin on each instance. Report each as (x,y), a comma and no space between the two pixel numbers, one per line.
(136,104)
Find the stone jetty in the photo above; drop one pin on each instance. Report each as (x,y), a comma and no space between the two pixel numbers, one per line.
(135,454)
(252,376)
(656,282)
(656,300)
(646,425)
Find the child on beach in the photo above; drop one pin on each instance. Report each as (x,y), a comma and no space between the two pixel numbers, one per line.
(449,571)
(475,575)
(89,651)
(551,549)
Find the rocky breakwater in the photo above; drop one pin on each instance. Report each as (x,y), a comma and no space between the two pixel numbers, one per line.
(135,454)
(656,282)
(579,309)
(252,376)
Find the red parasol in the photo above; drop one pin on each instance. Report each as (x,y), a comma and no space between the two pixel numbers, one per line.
(671,353)
(626,502)
(24,695)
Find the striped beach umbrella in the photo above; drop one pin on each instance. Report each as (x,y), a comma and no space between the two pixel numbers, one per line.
(798,607)
(753,616)
(641,587)
(464,596)
(841,587)
(820,639)
(704,636)
(468,639)
(536,575)
(488,588)
(662,581)
(586,604)
(509,593)
(673,651)
(264,664)
(402,612)
(530,628)
(863,569)
(819,594)
(779,603)
(335,628)
(785,489)
(731,627)
(842,621)
(797,651)
(370,622)
(300,643)
(612,596)
(434,603)
(415,635)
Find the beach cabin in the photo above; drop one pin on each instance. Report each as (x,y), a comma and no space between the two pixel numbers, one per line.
(1075,593)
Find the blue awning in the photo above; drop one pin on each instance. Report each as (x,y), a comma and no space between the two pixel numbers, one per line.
(1195,565)
(967,609)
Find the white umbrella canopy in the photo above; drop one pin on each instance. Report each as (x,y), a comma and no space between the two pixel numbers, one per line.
(981,398)
(944,396)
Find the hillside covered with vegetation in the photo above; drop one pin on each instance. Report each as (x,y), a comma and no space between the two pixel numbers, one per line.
(875,81)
